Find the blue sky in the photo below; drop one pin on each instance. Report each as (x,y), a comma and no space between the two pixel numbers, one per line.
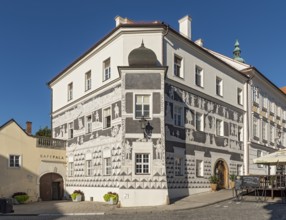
(39,38)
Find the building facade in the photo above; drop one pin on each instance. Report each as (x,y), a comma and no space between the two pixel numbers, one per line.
(194,106)
(34,165)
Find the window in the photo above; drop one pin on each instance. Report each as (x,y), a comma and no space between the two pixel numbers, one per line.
(264,130)
(89,124)
(107,166)
(255,94)
(239,96)
(142,106)
(259,154)
(88,81)
(178,115)
(199,76)
(255,127)
(272,107)
(106,69)
(219,127)
(178,166)
(239,169)
(240,134)
(219,86)
(199,122)
(70,169)
(284,115)
(279,111)
(14,161)
(199,168)
(177,66)
(70,91)
(88,168)
(106,118)
(265,102)
(272,133)
(142,164)
(70,133)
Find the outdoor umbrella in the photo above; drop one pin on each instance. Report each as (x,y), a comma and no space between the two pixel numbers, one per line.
(275,158)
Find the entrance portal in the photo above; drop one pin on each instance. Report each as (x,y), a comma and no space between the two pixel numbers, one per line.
(221,171)
(51,187)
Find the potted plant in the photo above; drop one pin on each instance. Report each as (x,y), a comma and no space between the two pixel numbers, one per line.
(20,197)
(77,196)
(111,198)
(232,178)
(213,182)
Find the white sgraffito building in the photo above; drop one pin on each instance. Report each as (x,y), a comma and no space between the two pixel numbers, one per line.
(193,100)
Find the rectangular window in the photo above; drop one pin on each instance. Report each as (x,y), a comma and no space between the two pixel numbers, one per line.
(284,115)
(199,122)
(265,102)
(106,118)
(264,130)
(70,130)
(178,166)
(279,111)
(178,116)
(142,106)
(255,94)
(272,107)
(177,67)
(106,69)
(255,127)
(239,169)
(259,154)
(88,81)
(219,86)
(199,168)
(240,134)
(142,165)
(272,133)
(14,161)
(88,168)
(239,96)
(199,76)
(88,124)
(70,169)
(70,91)
(107,166)
(219,127)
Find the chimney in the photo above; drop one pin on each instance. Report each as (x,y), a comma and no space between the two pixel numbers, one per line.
(199,42)
(185,27)
(119,20)
(29,127)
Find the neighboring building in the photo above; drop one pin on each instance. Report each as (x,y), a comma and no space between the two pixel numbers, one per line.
(35,165)
(266,107)
(194,102)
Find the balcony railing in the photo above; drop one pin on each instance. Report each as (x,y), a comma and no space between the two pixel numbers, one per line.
(46,142)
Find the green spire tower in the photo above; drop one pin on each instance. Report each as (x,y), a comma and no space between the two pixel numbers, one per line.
(236,52)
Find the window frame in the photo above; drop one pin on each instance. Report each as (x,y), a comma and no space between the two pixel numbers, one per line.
(255,126)
(135,95)
(201,116)
(88,122)
(14,160)
(70,130)
(259,154)
(219,132)
(178,66)
(178,167)
(70,91)
(88,81)
(70,169)
(140,164)
(264,130)
(200,168)
(239,96)
(178,115)
(107,166)
(106,117)
(106,69)
(219,86)
(199,73)
(88,167)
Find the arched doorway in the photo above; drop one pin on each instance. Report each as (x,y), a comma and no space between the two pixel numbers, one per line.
(51,187)
(221,170)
